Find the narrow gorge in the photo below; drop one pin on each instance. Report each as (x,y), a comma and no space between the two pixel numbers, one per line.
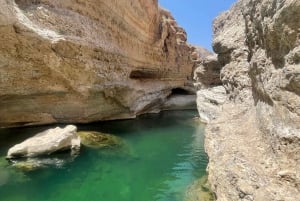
(112,67)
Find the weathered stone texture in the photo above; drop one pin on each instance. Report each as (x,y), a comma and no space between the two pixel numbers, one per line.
(254,145)
(47,142)
(83,61)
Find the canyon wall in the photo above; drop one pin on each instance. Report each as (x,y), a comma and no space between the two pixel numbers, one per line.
(254,143)
(87,60)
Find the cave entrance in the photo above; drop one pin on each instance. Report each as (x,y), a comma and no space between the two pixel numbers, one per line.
(181,91)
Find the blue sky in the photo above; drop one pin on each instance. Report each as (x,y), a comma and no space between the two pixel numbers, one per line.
(196,17)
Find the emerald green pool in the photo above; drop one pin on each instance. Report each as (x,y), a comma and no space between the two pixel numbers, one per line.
(166,155)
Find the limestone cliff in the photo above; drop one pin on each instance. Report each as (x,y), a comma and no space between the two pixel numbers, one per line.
(254,144)
(87,60)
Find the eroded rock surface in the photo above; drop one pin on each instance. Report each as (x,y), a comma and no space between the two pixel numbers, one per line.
(209,102)
(253,145)
(83,61)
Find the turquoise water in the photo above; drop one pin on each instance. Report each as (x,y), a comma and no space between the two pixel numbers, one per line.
(165,156)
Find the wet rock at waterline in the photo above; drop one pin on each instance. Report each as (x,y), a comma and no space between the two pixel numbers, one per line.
(99,140)
(199,191)
(47,142)
(108,145)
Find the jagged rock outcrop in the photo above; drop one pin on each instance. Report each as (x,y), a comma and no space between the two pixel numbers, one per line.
(83,61)
(200,52)
(253,146)
(207,73)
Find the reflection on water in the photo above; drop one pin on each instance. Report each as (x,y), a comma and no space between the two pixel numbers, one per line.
(166,155)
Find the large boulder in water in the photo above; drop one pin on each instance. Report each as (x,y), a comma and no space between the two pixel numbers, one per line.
(95,139)
(108,145)
(47,142)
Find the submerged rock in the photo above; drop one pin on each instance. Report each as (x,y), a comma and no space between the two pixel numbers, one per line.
(31,164)
(4,175)
(108,145)
(28,165)
(46,143)
(9,175)
(199,191)
(95,139)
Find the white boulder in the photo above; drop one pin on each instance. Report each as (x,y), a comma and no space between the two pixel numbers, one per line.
(47,142)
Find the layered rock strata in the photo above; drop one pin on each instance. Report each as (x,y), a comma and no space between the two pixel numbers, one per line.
(253,145)
(83,61)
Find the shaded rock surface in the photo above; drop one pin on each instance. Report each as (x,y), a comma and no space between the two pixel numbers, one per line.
(84,61)
(209,102)
(47,142)
(253,145)
(207,73)
(37,163)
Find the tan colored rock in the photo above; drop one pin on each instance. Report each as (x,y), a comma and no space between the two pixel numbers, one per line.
(199,191)
(254,144)
(207,73)
(84,61)
(201,52)
(46,143)
(209,102)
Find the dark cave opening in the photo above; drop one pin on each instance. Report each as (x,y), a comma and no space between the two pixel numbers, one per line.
(180,91)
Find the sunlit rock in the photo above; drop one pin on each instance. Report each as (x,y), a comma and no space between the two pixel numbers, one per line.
(47,142)
(253,144)
(209,102)
(85,61)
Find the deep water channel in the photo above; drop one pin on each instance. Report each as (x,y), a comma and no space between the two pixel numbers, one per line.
(165,155)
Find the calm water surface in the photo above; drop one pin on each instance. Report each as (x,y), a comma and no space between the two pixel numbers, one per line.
(165,154)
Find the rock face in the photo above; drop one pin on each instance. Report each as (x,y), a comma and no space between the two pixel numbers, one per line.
(253,145)
(83,61)
(209,102)
(46,143)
